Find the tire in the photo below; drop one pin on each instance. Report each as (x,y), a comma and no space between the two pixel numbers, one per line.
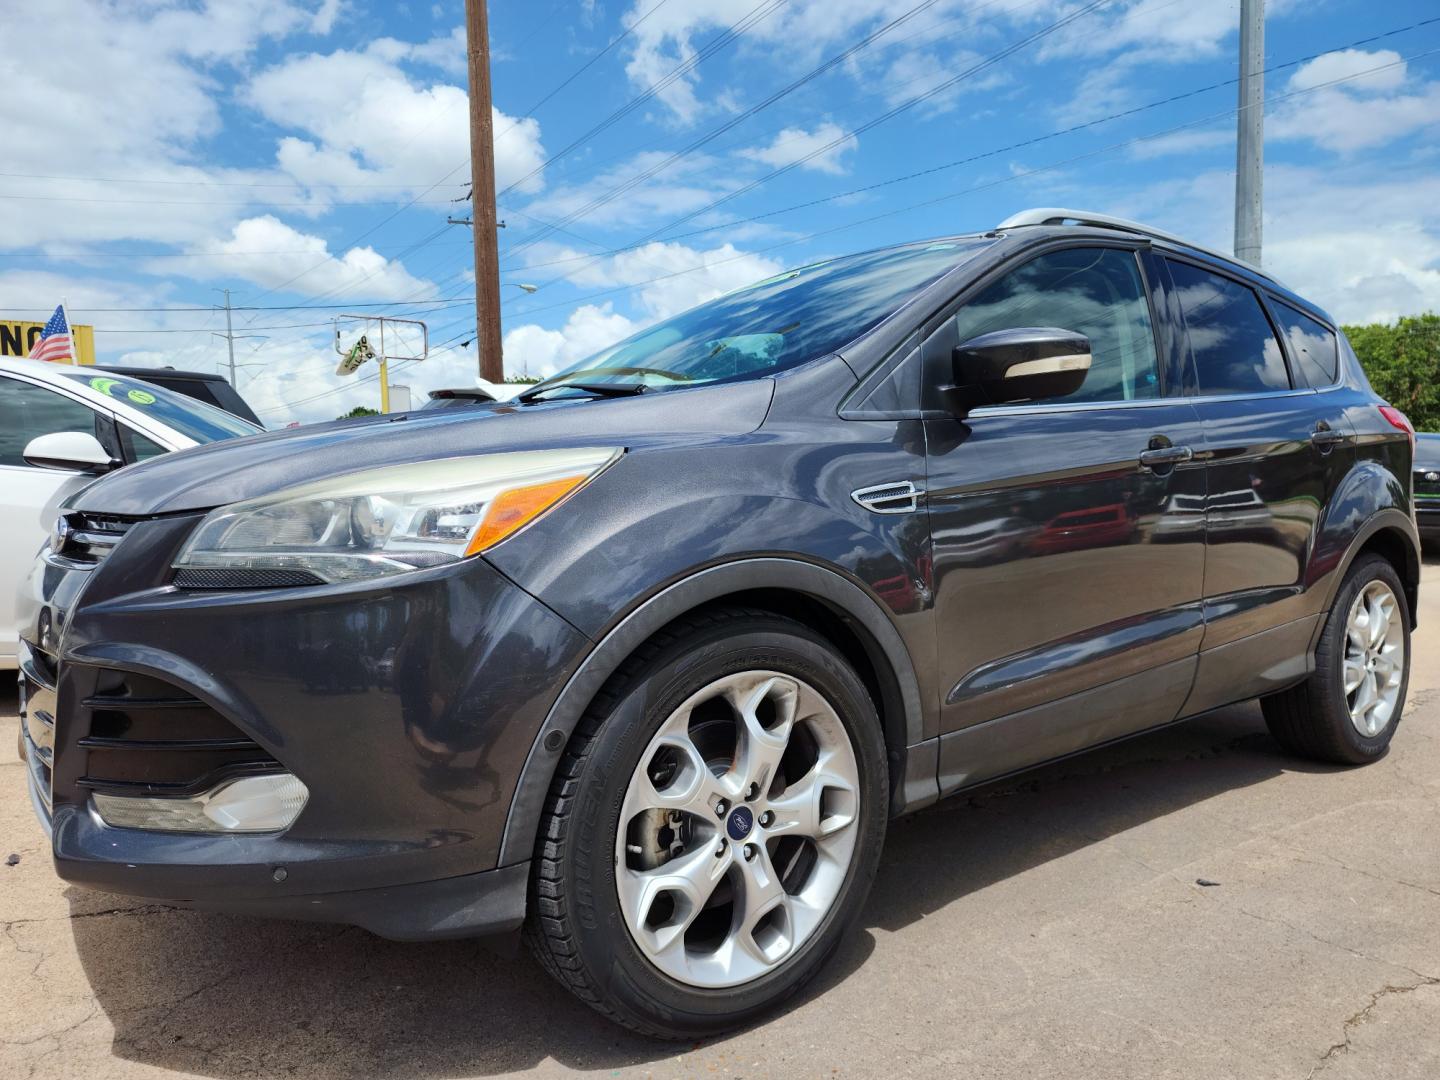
(667,729)
(1314,719)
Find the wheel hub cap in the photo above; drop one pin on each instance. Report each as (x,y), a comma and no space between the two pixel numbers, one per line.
(737,829)
(1374,665)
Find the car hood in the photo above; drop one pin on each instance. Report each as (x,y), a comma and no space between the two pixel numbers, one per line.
(224,472)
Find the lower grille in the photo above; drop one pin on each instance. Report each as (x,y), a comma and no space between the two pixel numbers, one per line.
(148,737)
(214,578)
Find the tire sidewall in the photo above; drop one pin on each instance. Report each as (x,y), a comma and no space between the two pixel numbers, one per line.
(1372,746)
(603,939)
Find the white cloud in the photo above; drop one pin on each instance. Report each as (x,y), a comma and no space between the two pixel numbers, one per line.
(793,144)
(270,253)
(669,277)
(533,350)
(1369,111)
(368,122)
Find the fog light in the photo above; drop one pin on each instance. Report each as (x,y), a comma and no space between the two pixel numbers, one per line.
(251,804)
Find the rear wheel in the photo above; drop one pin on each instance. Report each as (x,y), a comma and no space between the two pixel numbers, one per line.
(1347,711)
(714,827)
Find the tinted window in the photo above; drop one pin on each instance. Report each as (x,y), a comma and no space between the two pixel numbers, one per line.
(203,423)
(1095,291)
(28,411)
(775,324)
(1312,346)
(1235,350)
(139,447)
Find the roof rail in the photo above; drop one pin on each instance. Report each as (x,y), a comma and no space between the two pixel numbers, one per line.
(1059,215)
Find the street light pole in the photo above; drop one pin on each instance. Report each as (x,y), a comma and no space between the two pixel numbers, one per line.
(482,195)
(1250,133)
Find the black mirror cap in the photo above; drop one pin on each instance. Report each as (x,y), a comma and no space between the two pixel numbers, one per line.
(1029,363)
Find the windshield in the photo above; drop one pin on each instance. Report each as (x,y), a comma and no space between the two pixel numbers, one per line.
(774,324)
(201,422)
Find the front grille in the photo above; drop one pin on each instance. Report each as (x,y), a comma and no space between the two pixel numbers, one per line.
(145,736)
(88,538)
(1426,489)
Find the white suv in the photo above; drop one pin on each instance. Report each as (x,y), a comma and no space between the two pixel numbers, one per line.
(60,427)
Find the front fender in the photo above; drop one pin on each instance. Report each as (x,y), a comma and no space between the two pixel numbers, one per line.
(829,587)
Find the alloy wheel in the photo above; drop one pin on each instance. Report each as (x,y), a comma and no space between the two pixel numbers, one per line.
(738,829)
(1374,664)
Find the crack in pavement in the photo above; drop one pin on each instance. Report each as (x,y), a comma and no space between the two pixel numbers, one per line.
(1348,1029)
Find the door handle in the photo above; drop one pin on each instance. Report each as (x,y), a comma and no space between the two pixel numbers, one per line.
(1165,455)
(1325,438)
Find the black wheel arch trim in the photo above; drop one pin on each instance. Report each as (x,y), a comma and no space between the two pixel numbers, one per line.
(836,591)
(1387,518)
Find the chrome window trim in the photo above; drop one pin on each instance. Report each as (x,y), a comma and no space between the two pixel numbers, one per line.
(1143,403)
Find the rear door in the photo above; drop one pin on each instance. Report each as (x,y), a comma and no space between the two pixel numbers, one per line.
(1279,446)
(1068,534)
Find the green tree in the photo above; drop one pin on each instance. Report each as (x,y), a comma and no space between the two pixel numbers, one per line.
(1402,362)
(359,410)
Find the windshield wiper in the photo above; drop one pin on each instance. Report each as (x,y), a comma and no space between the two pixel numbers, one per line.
(597,389)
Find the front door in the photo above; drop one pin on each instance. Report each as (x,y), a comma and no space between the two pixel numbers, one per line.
(1068,534)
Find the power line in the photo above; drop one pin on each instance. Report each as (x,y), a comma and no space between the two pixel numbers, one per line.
(715,45)
(972,158)
(889,114)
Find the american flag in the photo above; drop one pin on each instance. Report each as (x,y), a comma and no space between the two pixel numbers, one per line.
(54,341)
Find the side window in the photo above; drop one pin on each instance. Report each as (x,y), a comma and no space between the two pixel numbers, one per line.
(1096,291)
(28,411)
(138,447)
(1235,349)
(1312,346)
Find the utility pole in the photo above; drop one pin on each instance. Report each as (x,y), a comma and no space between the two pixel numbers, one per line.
(1250,133)
(230,334)
(482,195)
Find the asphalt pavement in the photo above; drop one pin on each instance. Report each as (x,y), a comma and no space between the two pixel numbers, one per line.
(1191,903)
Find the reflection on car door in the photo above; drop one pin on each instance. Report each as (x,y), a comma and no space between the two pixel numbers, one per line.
(1068,573)
(1278,450)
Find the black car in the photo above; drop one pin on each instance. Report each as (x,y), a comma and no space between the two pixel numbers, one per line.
(1427,485)
(644,659)
(207,386)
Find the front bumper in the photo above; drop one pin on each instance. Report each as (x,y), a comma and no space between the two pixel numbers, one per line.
(407,708)
(1427,520)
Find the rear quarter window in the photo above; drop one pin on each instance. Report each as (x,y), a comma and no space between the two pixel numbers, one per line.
(1313,348)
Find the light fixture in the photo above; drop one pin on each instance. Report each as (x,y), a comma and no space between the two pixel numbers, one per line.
(266,803)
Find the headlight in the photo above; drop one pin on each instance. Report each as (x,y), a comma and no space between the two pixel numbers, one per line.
(391,520)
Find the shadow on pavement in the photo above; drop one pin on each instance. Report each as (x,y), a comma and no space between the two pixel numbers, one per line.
(227,997)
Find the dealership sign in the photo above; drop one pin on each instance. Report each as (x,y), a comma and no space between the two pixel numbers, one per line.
(17,338)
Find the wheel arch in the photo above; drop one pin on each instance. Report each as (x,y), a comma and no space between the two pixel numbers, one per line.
(1389,533)
(827,601)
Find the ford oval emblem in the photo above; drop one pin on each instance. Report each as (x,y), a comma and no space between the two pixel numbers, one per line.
(60,534)
(740,822)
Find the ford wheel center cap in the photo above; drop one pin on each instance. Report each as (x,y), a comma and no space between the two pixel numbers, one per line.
(739,823)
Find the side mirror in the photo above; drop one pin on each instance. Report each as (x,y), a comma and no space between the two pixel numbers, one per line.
(1026,364)
(73,451)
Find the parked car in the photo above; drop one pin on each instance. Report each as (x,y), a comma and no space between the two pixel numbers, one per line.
(459,397)
(207,386)
(1427,485)
(645,660)
(60,427)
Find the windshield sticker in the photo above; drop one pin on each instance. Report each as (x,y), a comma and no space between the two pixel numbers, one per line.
(140,397)
(105,386)
(109,386)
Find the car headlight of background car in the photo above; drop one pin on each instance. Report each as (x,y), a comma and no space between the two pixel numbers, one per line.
(392,520)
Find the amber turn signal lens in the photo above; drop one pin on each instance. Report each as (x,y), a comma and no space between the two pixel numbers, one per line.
(514,509)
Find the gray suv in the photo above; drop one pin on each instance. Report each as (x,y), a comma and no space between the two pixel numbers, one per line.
(644,660)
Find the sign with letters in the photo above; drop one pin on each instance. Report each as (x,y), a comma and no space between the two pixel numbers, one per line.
(16,338)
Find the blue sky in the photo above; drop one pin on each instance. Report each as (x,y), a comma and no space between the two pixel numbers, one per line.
(307,153)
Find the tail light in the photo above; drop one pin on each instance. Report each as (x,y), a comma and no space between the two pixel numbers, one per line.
(1398,419)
